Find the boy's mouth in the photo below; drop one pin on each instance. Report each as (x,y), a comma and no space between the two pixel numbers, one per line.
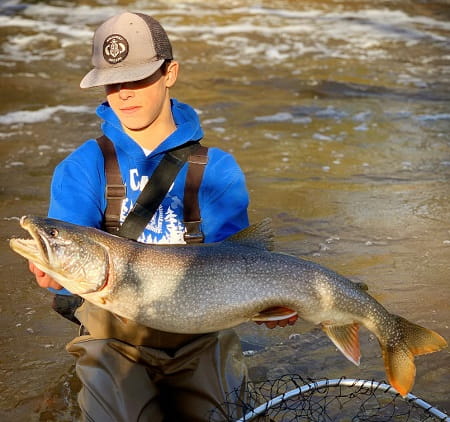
(129,110)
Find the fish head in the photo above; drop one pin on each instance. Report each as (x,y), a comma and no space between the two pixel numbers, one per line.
(69,253)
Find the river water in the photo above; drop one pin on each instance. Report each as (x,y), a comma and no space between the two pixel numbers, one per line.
(337,111)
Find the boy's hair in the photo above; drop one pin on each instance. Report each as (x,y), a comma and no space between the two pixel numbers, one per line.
(165,66)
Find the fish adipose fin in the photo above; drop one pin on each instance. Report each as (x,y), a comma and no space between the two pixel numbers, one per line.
(274,314)
(258,236)
(361,285)
(399,354)
(346,339)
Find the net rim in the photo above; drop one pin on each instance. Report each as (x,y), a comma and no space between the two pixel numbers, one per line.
(347,382)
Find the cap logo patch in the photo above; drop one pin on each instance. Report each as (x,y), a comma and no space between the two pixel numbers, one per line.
(115,48)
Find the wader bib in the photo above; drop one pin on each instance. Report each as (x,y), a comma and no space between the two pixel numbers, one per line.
(130,372)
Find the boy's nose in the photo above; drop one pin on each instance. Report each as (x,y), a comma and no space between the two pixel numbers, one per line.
(125,90)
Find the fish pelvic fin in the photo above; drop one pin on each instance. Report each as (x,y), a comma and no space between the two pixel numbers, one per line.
(346,339)
(258,236)
(407,340)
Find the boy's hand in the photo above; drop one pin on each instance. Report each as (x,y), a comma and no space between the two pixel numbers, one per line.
(280,322)
(43,279)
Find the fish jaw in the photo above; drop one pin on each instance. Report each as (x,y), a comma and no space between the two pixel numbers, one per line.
(73,260)
(32,249)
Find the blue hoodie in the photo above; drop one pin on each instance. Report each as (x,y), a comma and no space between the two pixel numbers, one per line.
(78,185)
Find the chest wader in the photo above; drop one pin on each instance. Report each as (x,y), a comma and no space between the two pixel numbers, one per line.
(130,372)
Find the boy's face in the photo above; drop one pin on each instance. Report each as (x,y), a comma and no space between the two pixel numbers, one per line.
(142,103)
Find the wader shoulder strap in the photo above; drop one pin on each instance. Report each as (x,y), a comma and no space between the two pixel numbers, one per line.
(155,190)
(115,189)
(192,218)
(66,305)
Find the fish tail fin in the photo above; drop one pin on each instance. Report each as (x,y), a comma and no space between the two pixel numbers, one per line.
(346,339)
(402,343)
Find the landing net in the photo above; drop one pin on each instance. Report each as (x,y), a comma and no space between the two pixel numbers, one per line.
(293,398)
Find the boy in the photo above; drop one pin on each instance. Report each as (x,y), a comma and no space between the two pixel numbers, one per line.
(130,372)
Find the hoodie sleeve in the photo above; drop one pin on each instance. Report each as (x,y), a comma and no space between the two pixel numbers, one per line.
(76,190)
(77,187)
(223,197)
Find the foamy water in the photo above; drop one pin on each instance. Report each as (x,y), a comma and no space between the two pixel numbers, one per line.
(246,34)
(35,116)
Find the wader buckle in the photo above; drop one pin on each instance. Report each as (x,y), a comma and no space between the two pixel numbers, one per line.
(193,233)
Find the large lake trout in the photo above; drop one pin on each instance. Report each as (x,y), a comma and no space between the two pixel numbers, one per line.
(209,287)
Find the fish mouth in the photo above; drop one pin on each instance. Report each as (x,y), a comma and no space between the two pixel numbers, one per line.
(49,250)
(35,249)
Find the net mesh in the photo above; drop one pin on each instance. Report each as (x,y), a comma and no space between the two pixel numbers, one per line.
(293,398)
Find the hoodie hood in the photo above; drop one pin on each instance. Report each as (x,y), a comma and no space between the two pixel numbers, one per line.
(185,117)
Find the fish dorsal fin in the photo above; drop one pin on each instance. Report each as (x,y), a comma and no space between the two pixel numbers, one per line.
(259,235)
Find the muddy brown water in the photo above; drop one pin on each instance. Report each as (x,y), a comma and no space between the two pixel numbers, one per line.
(337,111)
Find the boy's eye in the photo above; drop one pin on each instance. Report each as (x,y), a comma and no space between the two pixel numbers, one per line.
(113,88)
(142,83)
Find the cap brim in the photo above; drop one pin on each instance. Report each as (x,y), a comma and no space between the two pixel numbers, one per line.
(119,74)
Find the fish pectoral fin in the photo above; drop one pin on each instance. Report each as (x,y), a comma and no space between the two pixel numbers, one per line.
(122,319)
(275,313)
(398,354)
(346,339)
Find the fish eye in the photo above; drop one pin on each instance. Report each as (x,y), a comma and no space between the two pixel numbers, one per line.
(53,232)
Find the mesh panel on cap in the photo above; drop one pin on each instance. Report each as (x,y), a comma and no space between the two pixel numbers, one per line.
(161,41)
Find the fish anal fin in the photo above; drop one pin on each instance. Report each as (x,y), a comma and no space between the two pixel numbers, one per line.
(275,313)
(258,236)
(398,353)
(346,339)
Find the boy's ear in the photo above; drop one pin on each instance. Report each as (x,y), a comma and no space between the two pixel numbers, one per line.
(172,74)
